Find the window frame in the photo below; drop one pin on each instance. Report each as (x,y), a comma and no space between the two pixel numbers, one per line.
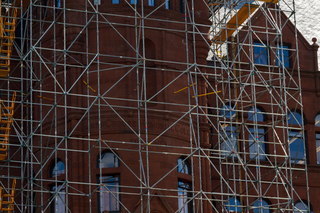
(118,192)
(258,59)
(152,3)
(295,118)
(287,59)
(186,195)
(100,157)
(258,116)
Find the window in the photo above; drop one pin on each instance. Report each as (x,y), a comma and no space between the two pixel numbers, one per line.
(318,147)
(181,6)
(317,120)
(296,141)
(134,1)
(58,3)
(283,56)
(301,207)
(229,135)
(233,205)
(257,137)
(115,1)
(109,194)
(183,166)
(108,160)
(184,186)
(152,3)
(168,4)
(260,54)
(183,194)
(57,169)
(261,206)
(59,196)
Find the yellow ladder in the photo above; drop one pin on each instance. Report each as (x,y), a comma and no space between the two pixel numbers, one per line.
(7,200)
(6,121)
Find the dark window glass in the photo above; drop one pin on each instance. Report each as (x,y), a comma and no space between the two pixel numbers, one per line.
(181,6)
(109,197)
(283,56)
(108,160)
(260,53)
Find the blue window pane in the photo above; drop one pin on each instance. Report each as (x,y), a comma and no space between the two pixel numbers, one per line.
(318,147)
(109,196)
(283,56)
(256,143)
(255,115)
(240,3)
(260,54)
(108,160)
(58,3)
(301,207)
(183,166)
(317,120)
(227,112)
(58,169)
(151,2)
(296,144)
(115,1)
(233,204)
(261,206)
(295,118)
(134,1)
(229,139)
(183,188)
(168,4)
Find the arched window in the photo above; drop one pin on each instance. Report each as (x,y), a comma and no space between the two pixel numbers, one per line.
(295,118)
(168,4)
(296,140)
(301,207)
(317,120)
(257,137)
(229,135)
(57,169)
(108,160)
(233,205)
(261,206)
(183,166)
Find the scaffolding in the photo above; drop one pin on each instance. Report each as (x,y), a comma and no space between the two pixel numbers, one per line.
(187,132)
